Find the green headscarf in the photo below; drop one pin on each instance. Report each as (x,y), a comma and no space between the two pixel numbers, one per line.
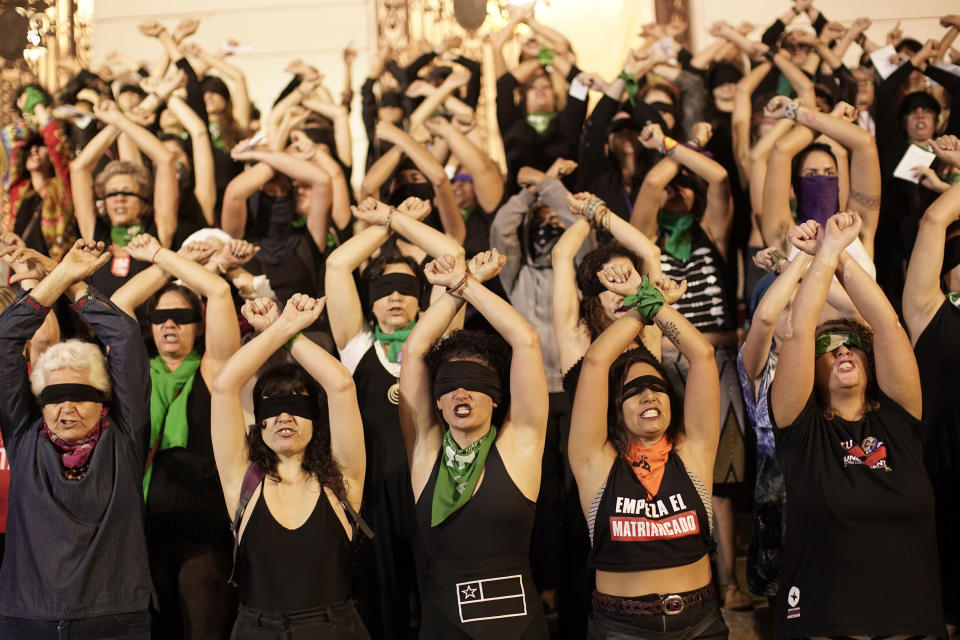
(168,405)
(460,471)
(679,242)
(394,340)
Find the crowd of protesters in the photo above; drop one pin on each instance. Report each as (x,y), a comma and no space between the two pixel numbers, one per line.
(242,398)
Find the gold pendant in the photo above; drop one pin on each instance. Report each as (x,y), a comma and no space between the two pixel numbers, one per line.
(393,394)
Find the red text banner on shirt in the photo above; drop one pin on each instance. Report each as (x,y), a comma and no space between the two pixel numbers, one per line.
(678,525)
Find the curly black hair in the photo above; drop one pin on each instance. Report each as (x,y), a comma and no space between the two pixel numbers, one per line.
(591,309)
(375,269)
(484,346)
(288,379)
(195,304)
(617,432)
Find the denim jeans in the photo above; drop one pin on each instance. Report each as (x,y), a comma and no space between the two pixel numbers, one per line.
(336,622)
(119,626)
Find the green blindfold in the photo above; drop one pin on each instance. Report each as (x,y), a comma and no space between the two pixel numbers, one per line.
(832,339)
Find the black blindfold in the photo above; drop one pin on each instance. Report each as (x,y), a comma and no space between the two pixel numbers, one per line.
(296,405)
(469,375)
(402,283)
(179,316)
(638,384)
(57,393)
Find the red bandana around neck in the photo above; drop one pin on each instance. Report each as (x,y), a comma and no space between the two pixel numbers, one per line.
(648,463)
(75,455)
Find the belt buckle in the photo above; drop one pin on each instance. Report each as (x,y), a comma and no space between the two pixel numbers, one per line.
(672,605)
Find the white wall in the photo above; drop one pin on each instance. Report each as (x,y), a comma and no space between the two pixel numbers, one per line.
(919,19)
(314,30)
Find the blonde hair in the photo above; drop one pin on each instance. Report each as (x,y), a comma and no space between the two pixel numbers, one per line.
(71,354)
(124,168)
(7,296)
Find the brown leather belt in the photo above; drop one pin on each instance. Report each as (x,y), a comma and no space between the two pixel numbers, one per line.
(657,605)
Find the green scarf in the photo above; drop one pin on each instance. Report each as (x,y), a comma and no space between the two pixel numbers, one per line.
(395,339)
(679,242)
(466,213)
(168,405)
(540,122)
(546,56)
(216,134)
(460,471)
(954,298)
(647,300)
(121,235)
(299,223)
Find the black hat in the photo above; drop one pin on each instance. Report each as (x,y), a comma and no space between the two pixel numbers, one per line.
(722,73)
(213,84)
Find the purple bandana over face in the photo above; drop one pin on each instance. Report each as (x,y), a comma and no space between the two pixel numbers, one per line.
(818,198)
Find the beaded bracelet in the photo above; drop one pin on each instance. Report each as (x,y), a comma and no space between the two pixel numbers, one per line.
(791,112)
(591,209)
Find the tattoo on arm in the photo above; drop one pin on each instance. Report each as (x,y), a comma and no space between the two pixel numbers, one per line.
(670,331)
(864,200)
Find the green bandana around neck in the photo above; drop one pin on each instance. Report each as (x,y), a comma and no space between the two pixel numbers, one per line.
(784,88)
(631,85)
(546,56)
(168,405)
(393,340)
(216,134)
(833,339)
(466,213)
(121,235)
(679,242)
(460,471)
(299,223)
(954,298)
(540,122)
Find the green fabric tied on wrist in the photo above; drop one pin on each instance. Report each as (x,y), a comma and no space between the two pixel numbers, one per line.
(546,56)
(647,300)
(121,235)
(460,470)
(540,122)
(679,242)
(631,85)
(394,341)
(34,97)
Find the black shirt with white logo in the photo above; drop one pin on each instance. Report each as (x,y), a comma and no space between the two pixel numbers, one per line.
(860,552)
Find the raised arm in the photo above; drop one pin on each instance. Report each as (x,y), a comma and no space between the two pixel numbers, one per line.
(486,175)
(743,117)
(340,116)
(233,217)
(793,383)
(205,188)
(81,180)
(379,172)
(775,218)
(865,177)
(446,202)
(759,157)
(228,431)
(572,339)
(922,296)
(166,194)
(239,96)
(773,303)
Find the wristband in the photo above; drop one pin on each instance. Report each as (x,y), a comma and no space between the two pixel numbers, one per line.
(455,290)
(386,221)
(602,219)
(791,112)
(153,259)
(289,343)
(647,300)
(668,145)
(861,40)
(591,209)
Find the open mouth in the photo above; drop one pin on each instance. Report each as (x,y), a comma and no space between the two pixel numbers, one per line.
(286,432)
(651,413)
(462,410)
(845,365)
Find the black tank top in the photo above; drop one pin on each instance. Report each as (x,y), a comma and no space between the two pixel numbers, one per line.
(284,569)
(478,582)
(708,303)
(632,533)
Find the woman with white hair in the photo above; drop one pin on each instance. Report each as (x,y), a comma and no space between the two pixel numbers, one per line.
(76,432)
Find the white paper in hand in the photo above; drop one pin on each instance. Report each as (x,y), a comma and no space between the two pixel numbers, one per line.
(665,47)
(578,90)
(881,61)
(914,157)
